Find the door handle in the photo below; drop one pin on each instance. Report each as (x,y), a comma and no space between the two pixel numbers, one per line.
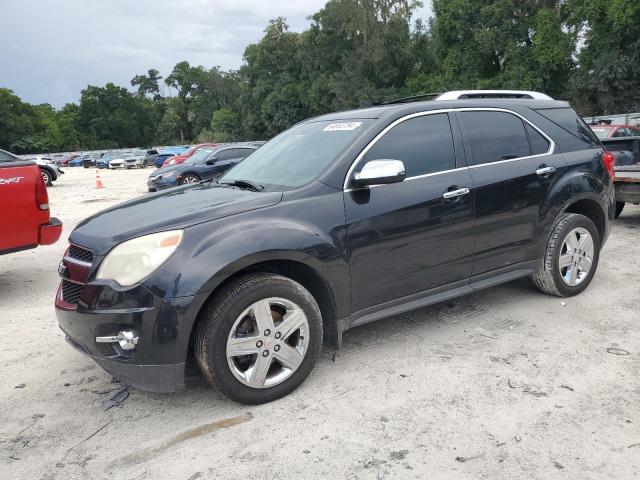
(545,169)
(449,194)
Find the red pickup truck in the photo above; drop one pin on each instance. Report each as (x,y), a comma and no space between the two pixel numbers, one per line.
(24,206)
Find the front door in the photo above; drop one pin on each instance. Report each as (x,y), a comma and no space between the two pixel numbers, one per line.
(406,238)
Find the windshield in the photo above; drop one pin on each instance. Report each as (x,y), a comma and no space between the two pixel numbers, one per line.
(600,132)
(298,155)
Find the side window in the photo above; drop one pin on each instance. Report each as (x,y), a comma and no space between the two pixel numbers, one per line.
(243,152)
(568,120)
(424,144)
(226,154)
(5,157)
(495,136)
(621,132)
(633,132)
(538,143)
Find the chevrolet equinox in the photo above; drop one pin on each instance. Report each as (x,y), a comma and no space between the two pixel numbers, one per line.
(341,220)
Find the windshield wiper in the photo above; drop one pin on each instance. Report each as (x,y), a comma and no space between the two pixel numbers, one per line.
(244,184)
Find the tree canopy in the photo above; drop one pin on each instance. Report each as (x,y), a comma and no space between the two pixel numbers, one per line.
(355,52)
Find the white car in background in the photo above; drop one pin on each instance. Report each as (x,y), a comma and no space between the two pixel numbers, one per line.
(134,159)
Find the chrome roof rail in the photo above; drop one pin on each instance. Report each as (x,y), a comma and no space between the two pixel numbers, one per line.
(464,94)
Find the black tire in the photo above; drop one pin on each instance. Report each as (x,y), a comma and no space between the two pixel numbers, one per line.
(218,318)
(619,208)
(143,164)
(47,177)
(189,176)
(548,278)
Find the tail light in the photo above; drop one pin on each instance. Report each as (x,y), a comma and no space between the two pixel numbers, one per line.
(609,160)
(42,198)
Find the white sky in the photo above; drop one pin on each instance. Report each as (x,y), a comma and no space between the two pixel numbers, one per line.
(52,49)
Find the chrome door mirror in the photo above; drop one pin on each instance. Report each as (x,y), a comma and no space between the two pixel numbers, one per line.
(379,172)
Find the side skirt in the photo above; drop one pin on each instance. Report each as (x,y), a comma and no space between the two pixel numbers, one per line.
(429,297)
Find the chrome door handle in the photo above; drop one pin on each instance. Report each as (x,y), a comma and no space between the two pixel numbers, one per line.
(455,193)
(545,170)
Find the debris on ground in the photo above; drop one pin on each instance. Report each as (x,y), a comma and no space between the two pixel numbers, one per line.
(466,459)
(20,385)
(567,387)
(117,398)
(399,455)
(617,351)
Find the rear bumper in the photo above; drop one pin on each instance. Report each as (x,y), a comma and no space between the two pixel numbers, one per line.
(50,232)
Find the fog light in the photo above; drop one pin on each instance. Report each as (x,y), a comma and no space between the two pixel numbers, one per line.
(125,338)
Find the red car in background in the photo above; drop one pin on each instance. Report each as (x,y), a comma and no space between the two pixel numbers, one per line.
(187,153)
(24,215)
(606,130)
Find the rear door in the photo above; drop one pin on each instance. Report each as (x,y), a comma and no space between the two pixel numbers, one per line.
(406,238)
(513,165)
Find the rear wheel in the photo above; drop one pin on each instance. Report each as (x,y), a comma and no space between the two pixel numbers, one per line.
(259,338)
(619,208)
(571,256)
(189,178)
(47,177)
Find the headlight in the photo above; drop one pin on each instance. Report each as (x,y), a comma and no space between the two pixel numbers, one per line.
(168,175)
(135,259)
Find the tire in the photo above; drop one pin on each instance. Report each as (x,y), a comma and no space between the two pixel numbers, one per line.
(47,177)
(219,321)
(553,279)
(189,178)
(143,164)
(619,208)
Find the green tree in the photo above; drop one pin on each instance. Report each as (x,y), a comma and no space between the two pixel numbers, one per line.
(607,79)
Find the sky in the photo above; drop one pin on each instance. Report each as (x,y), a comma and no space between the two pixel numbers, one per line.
(51,49)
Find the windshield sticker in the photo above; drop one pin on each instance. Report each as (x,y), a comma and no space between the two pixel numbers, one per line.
(341,126)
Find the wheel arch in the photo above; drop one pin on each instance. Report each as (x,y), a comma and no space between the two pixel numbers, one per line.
(591,209)
(295,269)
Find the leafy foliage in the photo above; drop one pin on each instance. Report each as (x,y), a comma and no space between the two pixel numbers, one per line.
(355,52)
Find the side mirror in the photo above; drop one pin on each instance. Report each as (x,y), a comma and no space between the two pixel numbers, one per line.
(211,161)
(379,172)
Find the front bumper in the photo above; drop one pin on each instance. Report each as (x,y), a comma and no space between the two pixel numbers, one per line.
(151,378)
(162,325)
(156,184)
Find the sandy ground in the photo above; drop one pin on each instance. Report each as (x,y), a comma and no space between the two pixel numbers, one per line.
(507,383)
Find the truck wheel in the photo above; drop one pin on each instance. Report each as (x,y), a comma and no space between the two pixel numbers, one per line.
(571,256)
(259,338)
(619,208)
(47,177)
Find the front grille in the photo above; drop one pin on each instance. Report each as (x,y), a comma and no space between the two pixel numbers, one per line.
(80,253)
(71,291)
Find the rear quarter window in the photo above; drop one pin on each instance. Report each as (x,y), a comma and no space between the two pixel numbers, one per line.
(568,120)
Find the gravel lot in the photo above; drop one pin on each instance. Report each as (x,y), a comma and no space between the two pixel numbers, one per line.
(506,383)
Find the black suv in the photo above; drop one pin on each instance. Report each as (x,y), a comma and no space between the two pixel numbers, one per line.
(341,220)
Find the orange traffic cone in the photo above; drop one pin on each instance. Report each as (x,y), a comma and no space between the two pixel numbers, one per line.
(98,180)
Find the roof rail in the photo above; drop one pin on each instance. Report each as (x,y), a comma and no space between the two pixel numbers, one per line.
(464,94)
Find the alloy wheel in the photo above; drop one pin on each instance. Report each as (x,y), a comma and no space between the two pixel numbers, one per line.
(576,256)
(268,342)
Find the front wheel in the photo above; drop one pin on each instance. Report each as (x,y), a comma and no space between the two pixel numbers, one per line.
(189,178)
(259,338)
(571,257)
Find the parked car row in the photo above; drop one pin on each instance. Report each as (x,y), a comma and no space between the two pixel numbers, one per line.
(207,163)
(50,171)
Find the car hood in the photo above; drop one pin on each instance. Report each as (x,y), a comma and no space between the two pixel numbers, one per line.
(163,170)
(171,209)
